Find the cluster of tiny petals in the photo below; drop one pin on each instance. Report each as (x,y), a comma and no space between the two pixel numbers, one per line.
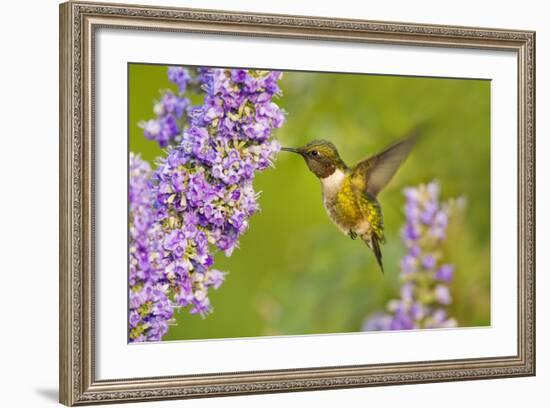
(203,192)
(425,277)
(150,309)
(152,295)
(170,110)
(150,312)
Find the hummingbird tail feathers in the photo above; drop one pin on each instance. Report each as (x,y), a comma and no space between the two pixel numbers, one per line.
(374,243)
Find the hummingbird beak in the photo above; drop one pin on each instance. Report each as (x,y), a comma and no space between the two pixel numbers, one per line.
(290,149)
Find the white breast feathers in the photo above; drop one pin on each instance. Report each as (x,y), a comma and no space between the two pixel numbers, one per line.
(331,184)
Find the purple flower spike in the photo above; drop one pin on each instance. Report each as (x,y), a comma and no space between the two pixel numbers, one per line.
(201,196)
(425,290)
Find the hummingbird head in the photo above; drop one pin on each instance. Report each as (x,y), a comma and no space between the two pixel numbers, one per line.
(321,157)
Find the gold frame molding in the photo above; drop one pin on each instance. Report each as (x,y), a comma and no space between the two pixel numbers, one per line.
(78,22)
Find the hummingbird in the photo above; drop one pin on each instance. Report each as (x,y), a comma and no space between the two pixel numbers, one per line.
(350,193)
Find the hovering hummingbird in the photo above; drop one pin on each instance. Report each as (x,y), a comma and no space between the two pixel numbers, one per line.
(350,194)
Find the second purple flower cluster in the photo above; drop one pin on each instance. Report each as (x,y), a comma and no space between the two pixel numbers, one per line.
(425,276)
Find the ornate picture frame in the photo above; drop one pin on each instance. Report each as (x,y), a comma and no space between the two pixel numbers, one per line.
(78,25)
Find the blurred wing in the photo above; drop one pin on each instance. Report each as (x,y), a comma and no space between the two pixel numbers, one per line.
(373,174)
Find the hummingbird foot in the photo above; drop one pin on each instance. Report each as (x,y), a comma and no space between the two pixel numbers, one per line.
(352,234)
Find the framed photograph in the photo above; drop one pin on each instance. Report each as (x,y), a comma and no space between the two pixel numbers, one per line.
(258,203)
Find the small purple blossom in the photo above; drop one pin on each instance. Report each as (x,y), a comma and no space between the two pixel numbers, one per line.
(442,294)
(425,289)
(179,76)
(214,278)
(428,262)
(378,322)
(445,273)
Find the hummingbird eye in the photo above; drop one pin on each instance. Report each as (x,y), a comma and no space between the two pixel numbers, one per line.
(314,153)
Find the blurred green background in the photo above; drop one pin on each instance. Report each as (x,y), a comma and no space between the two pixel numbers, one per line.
(295,272)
